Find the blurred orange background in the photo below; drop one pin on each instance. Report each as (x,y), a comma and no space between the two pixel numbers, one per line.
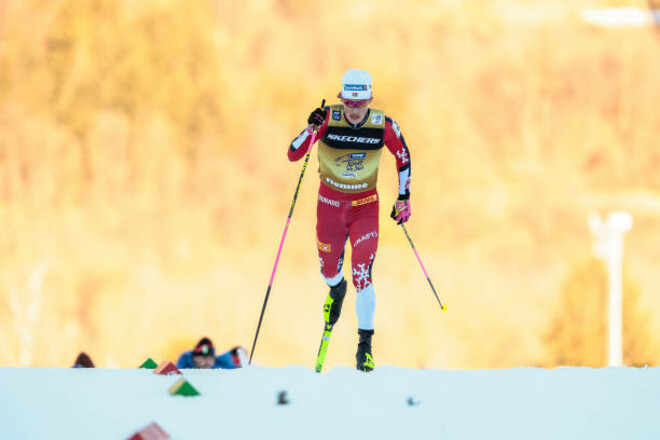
(144,184)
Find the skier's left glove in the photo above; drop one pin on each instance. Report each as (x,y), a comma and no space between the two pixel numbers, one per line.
(401,211)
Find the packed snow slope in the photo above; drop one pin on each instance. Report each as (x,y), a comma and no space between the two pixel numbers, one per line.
(389,403)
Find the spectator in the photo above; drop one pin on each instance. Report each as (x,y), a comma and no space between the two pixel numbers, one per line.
(203,356)
(83,361)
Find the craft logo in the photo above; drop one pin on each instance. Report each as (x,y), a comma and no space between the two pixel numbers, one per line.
(367,236)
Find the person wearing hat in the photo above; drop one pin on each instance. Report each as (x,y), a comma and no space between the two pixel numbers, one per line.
(351,136)
(83,361)
(203,356)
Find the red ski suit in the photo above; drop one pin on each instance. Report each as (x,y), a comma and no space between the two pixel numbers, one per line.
(349,156)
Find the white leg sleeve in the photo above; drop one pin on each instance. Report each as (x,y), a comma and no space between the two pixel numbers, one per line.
(334,280)
(365,306)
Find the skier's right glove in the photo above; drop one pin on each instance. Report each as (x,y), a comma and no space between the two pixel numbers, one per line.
(317,117)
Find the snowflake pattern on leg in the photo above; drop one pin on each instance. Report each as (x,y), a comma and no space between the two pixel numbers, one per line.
(362,274)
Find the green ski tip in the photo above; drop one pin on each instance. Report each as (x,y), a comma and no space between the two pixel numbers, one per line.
(149,364)
(323,349)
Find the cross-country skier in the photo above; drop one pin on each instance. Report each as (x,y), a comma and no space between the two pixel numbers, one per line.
(351,137)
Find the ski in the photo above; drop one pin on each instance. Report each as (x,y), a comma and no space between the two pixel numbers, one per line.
(323,349)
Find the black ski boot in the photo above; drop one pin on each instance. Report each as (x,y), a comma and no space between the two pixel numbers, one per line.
(332,306)
(365,361)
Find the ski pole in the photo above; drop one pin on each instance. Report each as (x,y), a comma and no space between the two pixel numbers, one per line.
(442,307)
(286,228)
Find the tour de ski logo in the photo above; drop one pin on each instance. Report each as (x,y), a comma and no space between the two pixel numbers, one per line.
(352,162)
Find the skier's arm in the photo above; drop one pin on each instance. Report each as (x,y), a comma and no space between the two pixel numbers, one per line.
(301,145)
(397,145)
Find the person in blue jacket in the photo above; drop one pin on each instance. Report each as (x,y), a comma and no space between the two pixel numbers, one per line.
(203,356)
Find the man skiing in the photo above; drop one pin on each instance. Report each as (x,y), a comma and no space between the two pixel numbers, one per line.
(351,137)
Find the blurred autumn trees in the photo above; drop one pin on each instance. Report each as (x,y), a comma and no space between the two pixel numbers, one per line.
(82,57)
(579,332)
(143,171)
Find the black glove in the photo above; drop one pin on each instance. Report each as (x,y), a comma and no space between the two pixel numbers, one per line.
(317,117)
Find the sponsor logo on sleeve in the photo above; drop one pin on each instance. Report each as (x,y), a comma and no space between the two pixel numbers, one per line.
(396,129)
(299,140)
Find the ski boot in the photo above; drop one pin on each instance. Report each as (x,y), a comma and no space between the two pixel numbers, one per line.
(365,361)
(332,306)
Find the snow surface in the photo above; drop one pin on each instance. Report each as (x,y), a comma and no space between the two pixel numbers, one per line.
(389,403)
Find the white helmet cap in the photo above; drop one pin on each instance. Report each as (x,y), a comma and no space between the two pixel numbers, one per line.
(356,85)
